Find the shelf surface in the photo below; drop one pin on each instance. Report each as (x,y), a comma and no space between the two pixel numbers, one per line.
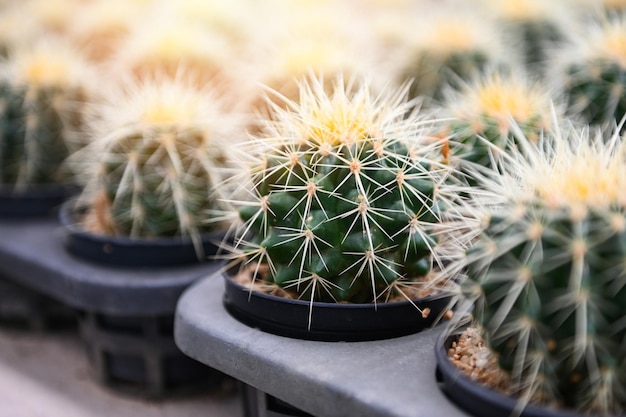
(386,378)
(32,253)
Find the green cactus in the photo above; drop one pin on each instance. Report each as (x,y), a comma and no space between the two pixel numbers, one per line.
(490,111)
(547,273)
(43,88)
(158,150)
(448,48)
(531,27)
(345,199)
(592,72)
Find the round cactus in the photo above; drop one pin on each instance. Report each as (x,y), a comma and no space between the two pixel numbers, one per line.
(450,46)
(488,113)
(531,27)
(166,44)
(344,199)
(158,150)
(547,274)
(43,88)
(591,71)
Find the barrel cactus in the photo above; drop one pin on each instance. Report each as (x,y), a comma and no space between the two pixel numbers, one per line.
(344,203)
(488,112)
(158,149)
(547,274)
(591,71)
(450,45)
(532,27)
(43,88)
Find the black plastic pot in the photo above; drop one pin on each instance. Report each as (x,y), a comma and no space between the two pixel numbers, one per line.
(124,251)
(477,399)
(330,322)
(36,200)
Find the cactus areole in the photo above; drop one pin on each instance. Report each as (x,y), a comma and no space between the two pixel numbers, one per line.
(344,200)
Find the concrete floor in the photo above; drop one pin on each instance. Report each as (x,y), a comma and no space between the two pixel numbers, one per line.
(47,375)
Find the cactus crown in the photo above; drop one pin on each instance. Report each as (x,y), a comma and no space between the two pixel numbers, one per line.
(344,200)
(546,272)
(158,150)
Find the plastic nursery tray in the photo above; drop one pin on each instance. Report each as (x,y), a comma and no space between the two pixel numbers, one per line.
(130,306)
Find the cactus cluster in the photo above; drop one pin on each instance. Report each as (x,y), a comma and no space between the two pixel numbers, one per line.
(592,71)
(42,90)
(547,276)
(344,202)
(157,151)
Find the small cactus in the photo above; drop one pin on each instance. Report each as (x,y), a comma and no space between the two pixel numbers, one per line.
(488,111)
(158,150)
(164,45)
(546,273)
(449,46)
(344,201)
(43,88)
(591,71)
(532,27)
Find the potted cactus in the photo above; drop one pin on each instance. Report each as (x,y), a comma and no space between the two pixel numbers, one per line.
(44,86)
(589,70)
(158,149)
(545,278)
(343,215)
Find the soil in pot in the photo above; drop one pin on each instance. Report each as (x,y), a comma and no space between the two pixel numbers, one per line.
(468,373)
(302,319)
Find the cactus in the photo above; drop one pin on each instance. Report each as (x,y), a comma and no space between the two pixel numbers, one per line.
(344,201)
(591,71)
(164,45)
(487,112)
(546,273)
(531,27)
(158,150)
(450,46)
(43,88)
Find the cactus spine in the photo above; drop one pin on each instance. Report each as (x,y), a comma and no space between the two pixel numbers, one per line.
(158,150)
(344,197)
(42,90)
(547,272)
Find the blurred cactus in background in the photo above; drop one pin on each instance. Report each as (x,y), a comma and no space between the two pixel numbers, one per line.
(445,46)
(488,113)
(43,90)
(591,71)
(532,28)
(158,150)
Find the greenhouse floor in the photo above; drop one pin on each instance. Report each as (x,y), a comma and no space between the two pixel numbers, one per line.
(47,375)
